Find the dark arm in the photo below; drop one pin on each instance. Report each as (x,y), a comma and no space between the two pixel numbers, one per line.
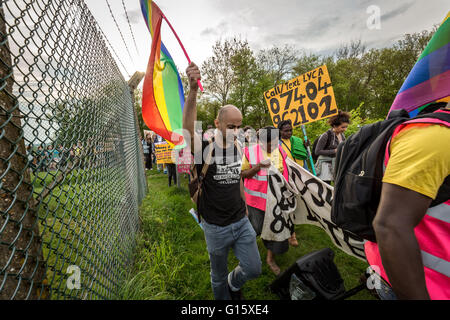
(249,173)
(394,226)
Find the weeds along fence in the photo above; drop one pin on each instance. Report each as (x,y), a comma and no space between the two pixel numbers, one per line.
(71,169)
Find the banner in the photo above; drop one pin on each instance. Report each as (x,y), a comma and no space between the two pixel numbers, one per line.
(163,152)
(305,199)
(305,99)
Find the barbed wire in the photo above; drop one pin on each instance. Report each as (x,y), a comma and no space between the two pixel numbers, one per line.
(120,32)
(131,30)
(114,51)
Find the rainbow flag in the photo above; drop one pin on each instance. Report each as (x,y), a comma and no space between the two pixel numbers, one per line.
(163,95)
(429,80)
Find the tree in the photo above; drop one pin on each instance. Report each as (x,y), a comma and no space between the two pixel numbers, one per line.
(244,67)
(217,70)
(278,62)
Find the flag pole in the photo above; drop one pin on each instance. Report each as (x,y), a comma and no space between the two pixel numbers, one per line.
(182,47)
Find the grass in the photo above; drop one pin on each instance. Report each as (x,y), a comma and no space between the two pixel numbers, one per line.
(79,224)
(171,261)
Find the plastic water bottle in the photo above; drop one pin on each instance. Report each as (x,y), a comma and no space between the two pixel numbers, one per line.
(298,290)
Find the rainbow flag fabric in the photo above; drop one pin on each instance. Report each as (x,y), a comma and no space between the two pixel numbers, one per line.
(429,80)
(163,95)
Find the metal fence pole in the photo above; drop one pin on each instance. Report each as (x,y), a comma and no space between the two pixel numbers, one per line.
(21,268)
(134,81)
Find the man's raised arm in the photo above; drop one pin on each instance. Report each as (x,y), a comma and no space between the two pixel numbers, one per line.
(190,106)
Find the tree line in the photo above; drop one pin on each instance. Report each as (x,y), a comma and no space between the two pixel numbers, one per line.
(365,81)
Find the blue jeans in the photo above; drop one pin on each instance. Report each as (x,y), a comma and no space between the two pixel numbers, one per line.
(241,237)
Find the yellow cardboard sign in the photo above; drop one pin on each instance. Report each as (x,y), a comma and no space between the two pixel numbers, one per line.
(304,99)
(163,152)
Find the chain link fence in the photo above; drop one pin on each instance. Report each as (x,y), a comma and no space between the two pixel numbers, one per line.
(71,167)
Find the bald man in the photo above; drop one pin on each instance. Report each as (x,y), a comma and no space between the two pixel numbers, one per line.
(222,202)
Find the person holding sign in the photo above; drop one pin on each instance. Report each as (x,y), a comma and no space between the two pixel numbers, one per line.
(295,149)
(292,145)
(255,161)
(327,144)
(221,203)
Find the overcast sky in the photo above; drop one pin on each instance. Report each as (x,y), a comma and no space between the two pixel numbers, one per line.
(319,26)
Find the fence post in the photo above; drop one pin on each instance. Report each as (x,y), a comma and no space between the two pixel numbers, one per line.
(132,84)
(22,270)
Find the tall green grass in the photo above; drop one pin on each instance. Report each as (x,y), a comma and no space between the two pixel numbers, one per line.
(171,261)
(79,224)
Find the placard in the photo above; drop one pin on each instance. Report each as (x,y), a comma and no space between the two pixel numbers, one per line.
(304,99)
(163,152)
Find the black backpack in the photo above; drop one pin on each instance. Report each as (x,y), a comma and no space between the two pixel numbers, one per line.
(313,152)
(359,173)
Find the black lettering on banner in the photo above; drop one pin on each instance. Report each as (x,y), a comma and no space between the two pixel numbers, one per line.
(276,119)
(318,202)
(332,227)
(295,174)
(327,101)
(356,251)
(283,204)
(310,216)
(274,101)
(296,122)
(313,110)
(298,97)
(288,100)
(301,110)
(324,87)
(329,196)
(283,117)
(311,90)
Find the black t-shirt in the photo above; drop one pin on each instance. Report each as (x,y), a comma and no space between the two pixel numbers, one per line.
(221,202)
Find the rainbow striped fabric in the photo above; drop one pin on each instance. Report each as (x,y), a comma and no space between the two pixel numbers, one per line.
(163,95)
(429,80)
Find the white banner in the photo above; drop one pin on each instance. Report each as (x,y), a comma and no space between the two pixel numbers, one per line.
(305,199)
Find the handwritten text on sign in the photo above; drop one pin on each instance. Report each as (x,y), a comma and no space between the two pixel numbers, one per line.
(163,153)
(305,99)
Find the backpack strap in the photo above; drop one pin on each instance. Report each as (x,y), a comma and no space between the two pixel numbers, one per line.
(206,164)
(329,137)
(287,147)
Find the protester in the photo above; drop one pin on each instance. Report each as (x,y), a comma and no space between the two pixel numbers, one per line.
(221,205)
(256,159)
(158,139)
(209,133)
(153,150)
(327,144)
(63,155)
(50,155)
(285,128)
(146,146)
(40,158)
(412,232)
(249,136)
